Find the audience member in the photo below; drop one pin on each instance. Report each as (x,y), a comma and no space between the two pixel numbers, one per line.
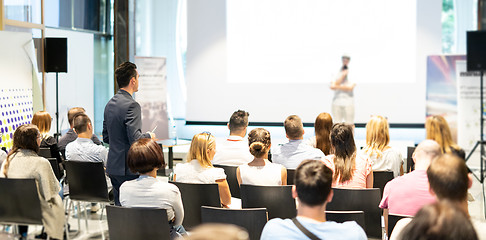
(42,120)
(441,220)
(383,157)
(70,134)
(199,169)
(438,130)
(313,191)
(260,171)
(406,194)
(23,162)
(449,181)
(234,150)
(291,154)
(322,130)
(145,157)
(218,231)
(351,170)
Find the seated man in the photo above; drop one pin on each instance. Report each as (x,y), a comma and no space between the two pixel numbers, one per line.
(234,151)
(406,194)
(313,191)
(70,134)
(291,154)
(449,181)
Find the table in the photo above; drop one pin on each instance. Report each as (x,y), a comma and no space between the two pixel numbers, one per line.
(170,143)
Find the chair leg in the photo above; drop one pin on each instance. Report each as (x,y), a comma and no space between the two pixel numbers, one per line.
(86,217)
(78,213)
(101,222)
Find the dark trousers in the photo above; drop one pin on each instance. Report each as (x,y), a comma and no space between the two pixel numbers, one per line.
(117,181)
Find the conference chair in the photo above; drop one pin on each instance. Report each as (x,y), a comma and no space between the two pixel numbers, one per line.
(55,168)
(392,221)
(251,219)
(195,195)
(20,203)
(87,183)
(45,152)
(290,176)
(410,164)
(366,200)
(230,172)
(345,216)
(277,200)
(137,223)
(380,178)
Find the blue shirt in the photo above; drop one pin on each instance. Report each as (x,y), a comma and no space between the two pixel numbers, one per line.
(84,149)
(291,154)
(278,228)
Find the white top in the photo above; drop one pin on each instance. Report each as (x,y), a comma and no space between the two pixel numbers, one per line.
(312,141)
(193,172)
(84,149)
(147,191)
(233,151)
(268,175)
(391,160)
(291,154)
(3,156)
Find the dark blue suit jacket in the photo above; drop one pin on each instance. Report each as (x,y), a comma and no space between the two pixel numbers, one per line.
(122,126)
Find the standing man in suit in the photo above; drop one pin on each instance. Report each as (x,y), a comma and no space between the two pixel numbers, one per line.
(122,126)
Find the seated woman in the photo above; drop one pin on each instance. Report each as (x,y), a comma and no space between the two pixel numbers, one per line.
(437,129)
(145,157)
(350,170)
(23,162)
(322,129)
(260,171)
(382,156)
(42,120)
(199,168)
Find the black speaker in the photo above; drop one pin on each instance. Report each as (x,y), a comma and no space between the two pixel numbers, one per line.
(476,50)
(55,54)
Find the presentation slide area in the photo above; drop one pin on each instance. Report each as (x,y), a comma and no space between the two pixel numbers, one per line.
(275,58)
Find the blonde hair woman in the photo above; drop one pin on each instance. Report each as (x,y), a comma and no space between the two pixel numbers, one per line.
(199,169)
(382,156)
(438,130)
(350,170)
(42,120)
(260,171)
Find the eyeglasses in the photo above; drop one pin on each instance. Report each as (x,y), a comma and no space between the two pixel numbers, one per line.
(207,133)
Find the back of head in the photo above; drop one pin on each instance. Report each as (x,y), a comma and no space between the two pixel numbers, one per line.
(80,122)
(42,120)
(124,73)
(437,129)
(342,142)
(313,180)
(218,231)
(426,151)
(259,142)
(448,177)
(73,111)
(294,127)
(322,128)
(442,220)
(25,137)
(200,144)
(144,155)
(377,135)
(238,121)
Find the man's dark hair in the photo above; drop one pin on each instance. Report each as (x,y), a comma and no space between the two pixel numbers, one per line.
(80,122)
(238,121)
(124,73)
(448,177)
(313,182)
(294,127)
(72,112)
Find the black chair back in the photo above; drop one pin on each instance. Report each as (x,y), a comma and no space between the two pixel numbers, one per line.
(290,176)
(19,202)
(194,196)
(380,178)
(345,216)
(251,219)
(87,181)
(366,200)
(277,200)
(137,223)
(45,152)
(410,163)
(55,168)
(230,172)
(392,221)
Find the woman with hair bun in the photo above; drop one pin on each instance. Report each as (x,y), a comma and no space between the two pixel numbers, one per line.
(260,171)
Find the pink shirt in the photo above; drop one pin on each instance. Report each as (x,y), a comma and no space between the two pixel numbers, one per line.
(405,195)
(360,173)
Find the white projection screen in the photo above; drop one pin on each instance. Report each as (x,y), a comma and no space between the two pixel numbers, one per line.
(274,58)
